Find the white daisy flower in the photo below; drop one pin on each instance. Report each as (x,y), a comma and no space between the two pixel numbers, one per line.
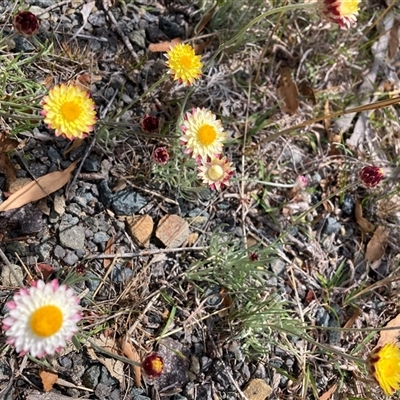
(203,133)
(42,318)
(216,172)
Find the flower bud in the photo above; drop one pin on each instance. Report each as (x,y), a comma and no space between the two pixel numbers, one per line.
(153,365)
(160,155)
(149,123)
(371,175)
(26,23)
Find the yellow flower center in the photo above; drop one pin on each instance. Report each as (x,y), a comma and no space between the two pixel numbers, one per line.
(157,365)
(215,173)
(71,111)
(186,62)
(206,134)
(46,320)
(348,7)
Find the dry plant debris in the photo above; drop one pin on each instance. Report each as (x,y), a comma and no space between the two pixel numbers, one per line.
(263,135)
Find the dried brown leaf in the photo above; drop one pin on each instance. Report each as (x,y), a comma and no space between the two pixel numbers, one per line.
(74,145)
(85,80)
(364,224)
(115,367)
(287,92)
(394,39)
(7,144)
(352,319)
(205,19)
(108,250)
(327,121)
(163,46)
(7,168)
(39,188)
(48,379)
(392,335)
(307,92)
(376,246)
(328,394)
(130,352)
(201,46)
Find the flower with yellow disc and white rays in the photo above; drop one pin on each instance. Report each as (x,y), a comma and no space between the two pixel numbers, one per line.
(70,111)
(216,172)
(203,134)
(42,318)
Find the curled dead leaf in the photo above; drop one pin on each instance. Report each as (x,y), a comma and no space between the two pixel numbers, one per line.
(163,46)
(48,379)
(376,246)
(364,224)
(392,335)
(7,168)
(130,352)
(287,92)
(7,144)
(307,92)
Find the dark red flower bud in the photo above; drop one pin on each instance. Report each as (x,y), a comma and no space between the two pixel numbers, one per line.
(80,269)
(370,175)
(153,365)
(26,23)
(149,123)
(161,155)
(253,256)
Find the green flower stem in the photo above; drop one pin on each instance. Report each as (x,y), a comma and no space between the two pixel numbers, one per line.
(6,39)
(310,340)
(11,269)
(273,184)
(149,90)
(255,21)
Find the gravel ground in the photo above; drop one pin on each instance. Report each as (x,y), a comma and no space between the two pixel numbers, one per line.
(81,227)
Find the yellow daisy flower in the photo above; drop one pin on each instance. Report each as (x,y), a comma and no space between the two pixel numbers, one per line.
(203,133)
(69,111)
(342,12)
(216,172)
(183,63)
(384,365)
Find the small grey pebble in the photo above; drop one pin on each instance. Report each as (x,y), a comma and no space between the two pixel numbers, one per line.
(332,226)
(72,237)
(121,274)
(348,205)
(92,164)
(278,266)
(74,209)
(43,251)
(71,258)
(100,237)
(102,391)
(16,247)
(89,234)
(59,252)
(54,155)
